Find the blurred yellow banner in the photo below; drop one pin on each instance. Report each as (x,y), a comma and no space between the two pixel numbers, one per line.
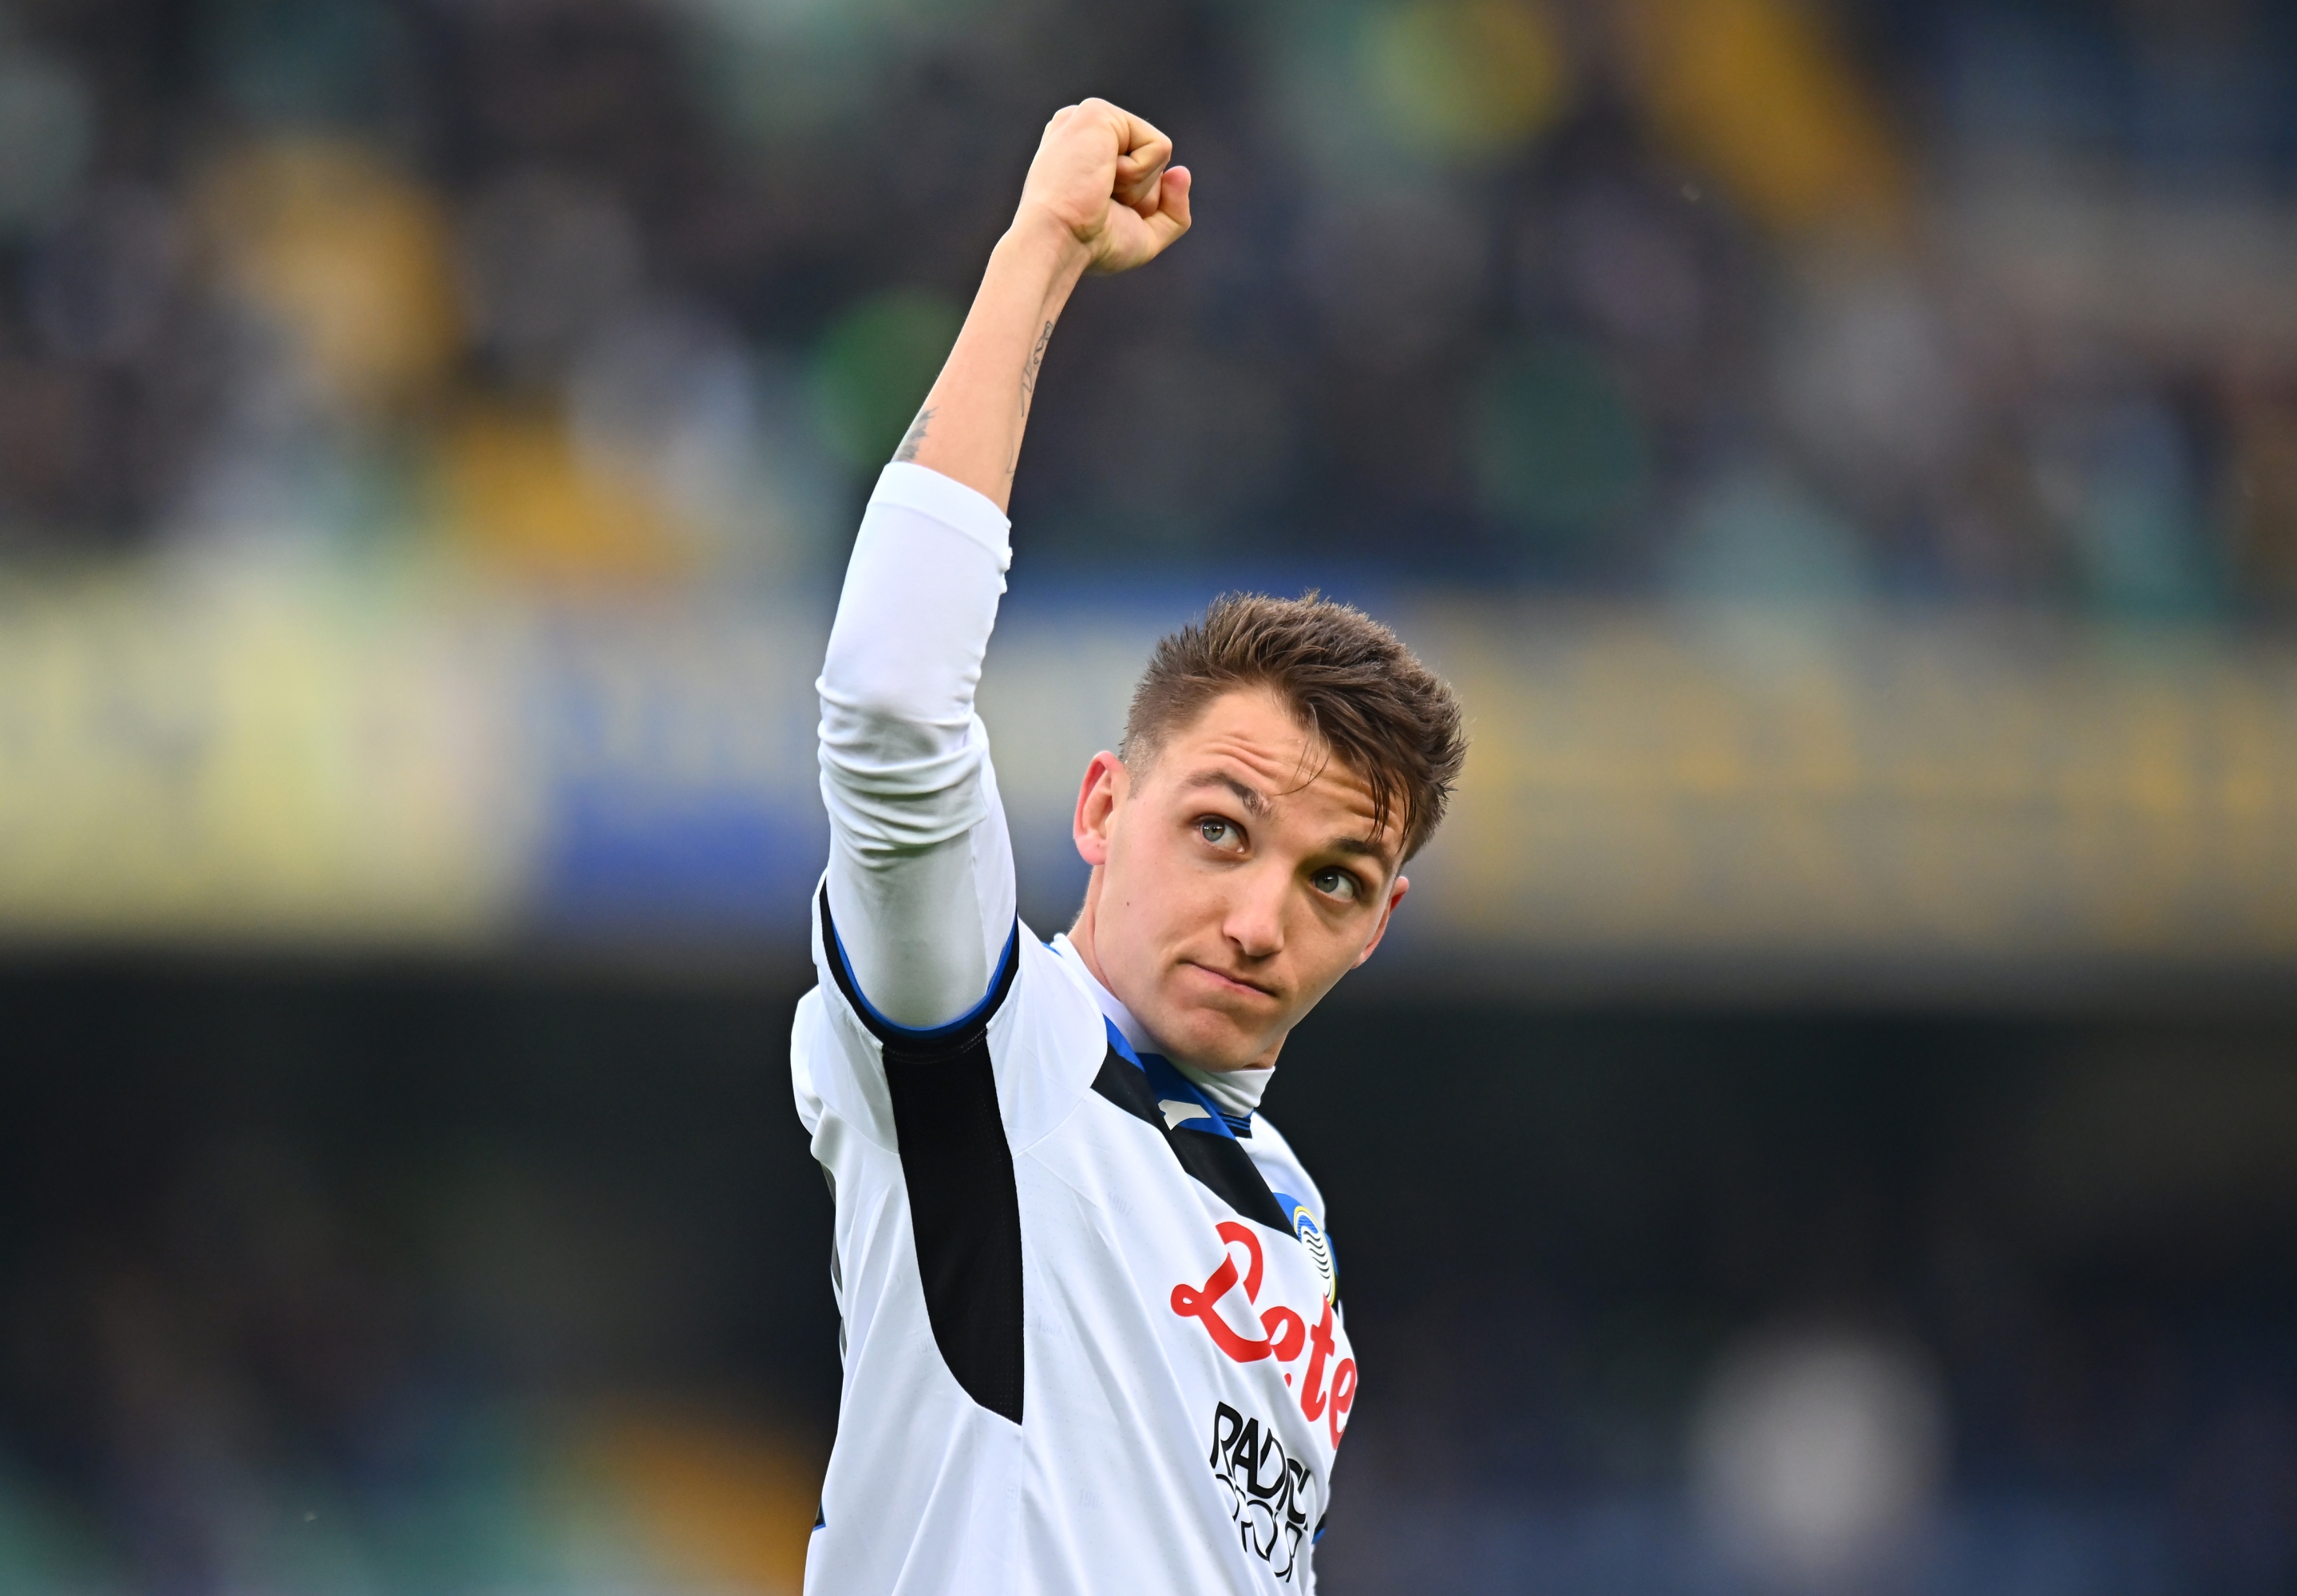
(265,762)
(1834,794)
(1838,788)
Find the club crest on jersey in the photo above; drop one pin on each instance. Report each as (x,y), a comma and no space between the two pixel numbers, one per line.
(1313,1238)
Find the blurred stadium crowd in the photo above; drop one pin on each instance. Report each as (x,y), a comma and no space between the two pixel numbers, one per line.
(504,1274)
(405,1280)
(1950,300)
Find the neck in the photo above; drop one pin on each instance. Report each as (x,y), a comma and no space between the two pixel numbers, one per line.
(1081,934)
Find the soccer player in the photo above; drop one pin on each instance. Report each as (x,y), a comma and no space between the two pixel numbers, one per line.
(1091,1325)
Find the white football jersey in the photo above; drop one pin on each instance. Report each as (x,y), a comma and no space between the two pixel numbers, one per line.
(1092,1337)
(1092,1333)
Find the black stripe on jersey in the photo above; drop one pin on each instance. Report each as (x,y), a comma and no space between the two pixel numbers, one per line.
(965,1211)
(1219,1162)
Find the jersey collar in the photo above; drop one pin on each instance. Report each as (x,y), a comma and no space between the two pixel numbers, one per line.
(1234,1105)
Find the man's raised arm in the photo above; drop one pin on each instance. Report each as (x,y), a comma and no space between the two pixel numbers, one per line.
(1101,197)
(920,881)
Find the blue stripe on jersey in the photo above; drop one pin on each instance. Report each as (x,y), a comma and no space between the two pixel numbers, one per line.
(1182,1102)
(1217,1161)
(930,1034)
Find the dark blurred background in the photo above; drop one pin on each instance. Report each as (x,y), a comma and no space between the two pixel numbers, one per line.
(1827,1122)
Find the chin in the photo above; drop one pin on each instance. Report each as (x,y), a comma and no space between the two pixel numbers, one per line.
(1213,1040)
(1204,1030)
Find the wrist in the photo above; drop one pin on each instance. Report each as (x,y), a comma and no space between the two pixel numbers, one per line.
(1046,242)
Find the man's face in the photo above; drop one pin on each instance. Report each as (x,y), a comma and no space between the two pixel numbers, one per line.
(1231,889)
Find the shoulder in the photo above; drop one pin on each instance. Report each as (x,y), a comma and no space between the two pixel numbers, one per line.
(834,1072)
(808,1016)
(1038,1032)
(1048,1046)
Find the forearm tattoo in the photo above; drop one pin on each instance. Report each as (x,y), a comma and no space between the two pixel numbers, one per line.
(915,437)
(1029,388)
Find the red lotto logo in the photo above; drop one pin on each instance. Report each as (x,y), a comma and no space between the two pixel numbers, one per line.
(1280,1333)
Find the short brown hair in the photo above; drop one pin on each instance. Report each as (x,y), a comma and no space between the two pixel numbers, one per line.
(1350,681)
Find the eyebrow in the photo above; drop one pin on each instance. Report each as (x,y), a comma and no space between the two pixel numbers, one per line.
(1256,805)
(1363,849)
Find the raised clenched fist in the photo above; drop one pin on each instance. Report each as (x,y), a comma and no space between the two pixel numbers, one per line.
(1104,177)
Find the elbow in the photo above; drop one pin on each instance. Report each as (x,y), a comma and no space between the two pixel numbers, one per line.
(878,688)
(875,728)
(888,804)
(893,745)
(877,710)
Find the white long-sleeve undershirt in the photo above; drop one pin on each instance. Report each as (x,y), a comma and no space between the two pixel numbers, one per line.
(920,863)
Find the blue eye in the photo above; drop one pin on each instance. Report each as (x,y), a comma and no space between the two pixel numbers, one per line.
(1219,833)
(1338,884)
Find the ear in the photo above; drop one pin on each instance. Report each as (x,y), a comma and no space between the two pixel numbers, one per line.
(1386,913)
(1105,783)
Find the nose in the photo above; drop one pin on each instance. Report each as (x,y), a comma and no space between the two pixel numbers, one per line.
(1254,921)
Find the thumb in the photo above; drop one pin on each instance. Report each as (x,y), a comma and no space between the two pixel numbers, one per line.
(1172,218)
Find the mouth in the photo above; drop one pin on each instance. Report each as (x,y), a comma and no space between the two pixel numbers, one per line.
(1225,981)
